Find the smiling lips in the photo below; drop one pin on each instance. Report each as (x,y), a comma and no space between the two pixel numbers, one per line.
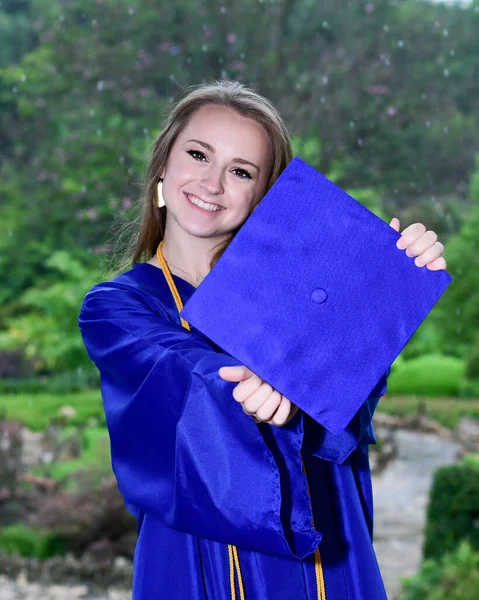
(201,204)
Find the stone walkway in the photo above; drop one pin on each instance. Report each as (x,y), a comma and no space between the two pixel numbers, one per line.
(400,501)
(20,589)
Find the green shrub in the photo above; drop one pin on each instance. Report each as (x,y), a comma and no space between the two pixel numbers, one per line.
(46,329)
(26,541)
(453,510)
(430,375)
(455,576)
(469,388)
(472,360)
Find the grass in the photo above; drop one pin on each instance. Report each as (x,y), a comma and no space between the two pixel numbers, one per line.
(447,411)
(36,411)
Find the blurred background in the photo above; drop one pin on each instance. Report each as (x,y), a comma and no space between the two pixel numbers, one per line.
(382,97)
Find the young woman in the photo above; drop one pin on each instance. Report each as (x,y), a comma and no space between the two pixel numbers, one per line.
(228,506)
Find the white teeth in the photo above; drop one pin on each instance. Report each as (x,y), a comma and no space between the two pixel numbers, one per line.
(201,204)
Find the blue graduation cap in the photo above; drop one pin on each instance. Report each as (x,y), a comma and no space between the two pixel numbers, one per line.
(313,296)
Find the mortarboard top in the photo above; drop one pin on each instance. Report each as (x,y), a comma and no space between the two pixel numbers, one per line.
(313,296)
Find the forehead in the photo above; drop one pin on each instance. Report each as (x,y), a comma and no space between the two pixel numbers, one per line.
(226,130)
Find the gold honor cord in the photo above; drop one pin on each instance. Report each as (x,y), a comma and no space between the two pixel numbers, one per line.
(233,556)
(318,565)
(232,550)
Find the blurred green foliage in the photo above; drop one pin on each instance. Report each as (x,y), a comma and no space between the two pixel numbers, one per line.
(454,576)
(46,324)
(38,410)
(428,375)
(22,540)
(382,97)
(453,510)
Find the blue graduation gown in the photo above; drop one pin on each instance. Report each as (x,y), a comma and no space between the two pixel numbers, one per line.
(199,474)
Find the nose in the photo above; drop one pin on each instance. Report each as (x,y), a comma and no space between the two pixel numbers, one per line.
(212,181)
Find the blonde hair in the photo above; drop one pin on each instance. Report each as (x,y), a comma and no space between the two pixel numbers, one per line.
(145,232)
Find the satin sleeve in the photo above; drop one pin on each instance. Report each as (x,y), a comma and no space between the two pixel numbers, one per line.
(182,448)
(359,431)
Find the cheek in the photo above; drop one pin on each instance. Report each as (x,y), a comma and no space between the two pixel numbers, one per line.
(181,168)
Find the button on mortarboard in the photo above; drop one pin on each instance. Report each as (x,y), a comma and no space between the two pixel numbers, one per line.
(319,295)
(313,295)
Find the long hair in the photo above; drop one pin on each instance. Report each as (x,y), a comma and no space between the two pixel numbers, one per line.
(145,232)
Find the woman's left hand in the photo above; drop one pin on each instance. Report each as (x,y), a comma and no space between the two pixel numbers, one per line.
(422,244)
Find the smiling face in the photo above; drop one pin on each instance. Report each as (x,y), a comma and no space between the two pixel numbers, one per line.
(222,161)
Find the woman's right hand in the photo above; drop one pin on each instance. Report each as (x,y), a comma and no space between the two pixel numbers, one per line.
(258,399)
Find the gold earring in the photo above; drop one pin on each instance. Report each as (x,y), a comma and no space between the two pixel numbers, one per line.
(160,201)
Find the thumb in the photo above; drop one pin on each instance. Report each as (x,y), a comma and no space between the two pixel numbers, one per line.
(239,373)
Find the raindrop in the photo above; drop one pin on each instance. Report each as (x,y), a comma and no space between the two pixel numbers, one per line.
(445,129)
(204,48)
(386,28)
(100,85)
(445,33)
(223,10)
(428,123)
(401,43)
(322,99)
(452,52)
(446,72)
(242,55)
(14,89)
(324,24)
(352,124)
(23,77)
(325,79)
(99,131)
(131,11)
(188,60)
(61,18)
(94,23)
(145,130)
(220,60)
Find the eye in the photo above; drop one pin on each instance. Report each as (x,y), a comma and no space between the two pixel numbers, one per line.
(243,174)
(196,154)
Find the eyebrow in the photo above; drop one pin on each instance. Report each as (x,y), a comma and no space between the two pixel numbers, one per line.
(241,161)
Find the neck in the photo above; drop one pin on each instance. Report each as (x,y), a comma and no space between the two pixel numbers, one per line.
(189,253)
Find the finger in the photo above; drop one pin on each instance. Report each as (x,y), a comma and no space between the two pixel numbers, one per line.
(395,224)
(239,373)
(246,388)
(269,406)
(427,240)
(410,235)
(281,415)
(256,400)
(438,264)
(429,255)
